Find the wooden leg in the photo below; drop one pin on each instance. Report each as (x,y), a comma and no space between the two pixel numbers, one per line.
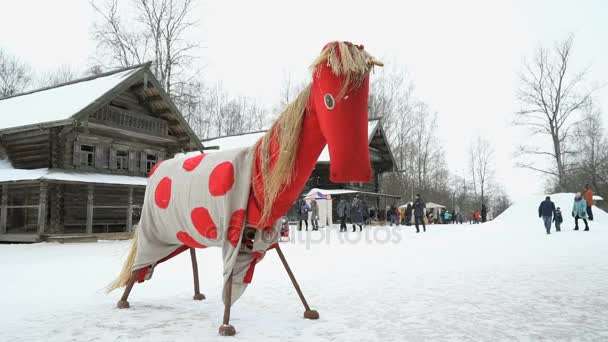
(123,303)
(226,329)
(197,293)
(310,314)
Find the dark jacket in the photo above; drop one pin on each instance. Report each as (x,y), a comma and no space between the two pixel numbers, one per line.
(546,208)
(303,209)
(356,215)
(557,217)
(419,207)
(343,208)
(364,209)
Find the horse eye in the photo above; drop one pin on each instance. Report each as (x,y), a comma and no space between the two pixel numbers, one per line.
(329,101)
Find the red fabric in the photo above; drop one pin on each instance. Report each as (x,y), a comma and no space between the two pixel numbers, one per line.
(221,179)
(235,226)
(202,221)
(191,163)
(249,275)
(141,275)
(162,194)
(187,240)
(349,111)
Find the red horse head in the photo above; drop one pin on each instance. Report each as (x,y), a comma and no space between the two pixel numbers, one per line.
(339,94)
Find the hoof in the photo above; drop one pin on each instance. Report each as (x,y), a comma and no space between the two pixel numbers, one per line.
(122,304)
(227,330)
(311,314)
(199,296)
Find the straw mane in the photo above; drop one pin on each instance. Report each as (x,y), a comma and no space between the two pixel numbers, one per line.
(344,59)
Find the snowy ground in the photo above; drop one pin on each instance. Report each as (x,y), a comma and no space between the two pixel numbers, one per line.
(504,280)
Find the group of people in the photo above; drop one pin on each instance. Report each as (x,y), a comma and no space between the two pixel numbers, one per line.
(302,209)
(358,212)
(434,215)
(581,209)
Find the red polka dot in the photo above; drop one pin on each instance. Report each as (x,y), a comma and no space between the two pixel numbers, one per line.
(191,163)
(162,194)
(221,179)
(203,223)
(187,240)
(235,226)
(154,168)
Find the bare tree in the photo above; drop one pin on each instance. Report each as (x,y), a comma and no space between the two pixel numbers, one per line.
(551,95)
(157,33)
(592,158)
(15,75)
(481,165)
(63,74)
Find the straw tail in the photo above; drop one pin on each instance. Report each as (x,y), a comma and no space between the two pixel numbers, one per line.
(126,272)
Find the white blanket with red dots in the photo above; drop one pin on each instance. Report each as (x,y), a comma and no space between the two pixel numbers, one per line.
(200,202)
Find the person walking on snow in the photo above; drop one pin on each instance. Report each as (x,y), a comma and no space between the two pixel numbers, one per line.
(579,211)
(589,199)
(484,213)
(314,220)
(303,209)
(546,210)
(558,219)
(356,216)
(343,210)
(365,211)
(418,209)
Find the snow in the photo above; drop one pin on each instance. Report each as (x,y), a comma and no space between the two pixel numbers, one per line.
(57,104)
(14,175)
(5,164)
(248,140)
(501,280)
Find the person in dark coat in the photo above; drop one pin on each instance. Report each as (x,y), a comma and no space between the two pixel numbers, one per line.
(365,210)
(393,215)
(546,210)
(408,214)
(314,219)
(558,219)
(418,209)
(303,209)
(343,211)
(356,216)
(484,213)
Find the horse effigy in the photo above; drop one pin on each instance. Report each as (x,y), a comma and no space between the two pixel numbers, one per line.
(234,199)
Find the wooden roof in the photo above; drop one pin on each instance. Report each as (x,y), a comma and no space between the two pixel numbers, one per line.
(73,101)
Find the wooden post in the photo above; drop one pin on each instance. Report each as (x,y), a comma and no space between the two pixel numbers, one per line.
(130,211)
(3,210)
(90,210)
(42,208)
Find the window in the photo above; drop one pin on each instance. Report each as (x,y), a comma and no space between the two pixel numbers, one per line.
(87,155)
(150,162)
(122,160)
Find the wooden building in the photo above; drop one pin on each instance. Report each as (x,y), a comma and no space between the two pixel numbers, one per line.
(381,157)
(74,157)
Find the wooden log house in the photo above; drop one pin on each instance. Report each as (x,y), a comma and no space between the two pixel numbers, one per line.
(74,157)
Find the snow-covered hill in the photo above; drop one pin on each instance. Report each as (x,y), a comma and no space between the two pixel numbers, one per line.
(502,280)
(525,212)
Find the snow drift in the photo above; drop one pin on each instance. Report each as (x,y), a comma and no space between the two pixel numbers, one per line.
(525,212)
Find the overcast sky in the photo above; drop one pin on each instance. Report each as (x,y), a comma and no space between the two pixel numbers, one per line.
(463,56)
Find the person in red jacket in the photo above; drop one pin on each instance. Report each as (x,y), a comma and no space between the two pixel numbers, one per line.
(588,194)
(477,216)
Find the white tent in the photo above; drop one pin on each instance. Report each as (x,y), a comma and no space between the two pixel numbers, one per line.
(429,205)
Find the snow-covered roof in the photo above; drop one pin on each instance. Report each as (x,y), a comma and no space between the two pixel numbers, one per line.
(249,139)
(15,175)
(58,103)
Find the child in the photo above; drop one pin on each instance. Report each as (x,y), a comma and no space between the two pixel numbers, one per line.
(557,218)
